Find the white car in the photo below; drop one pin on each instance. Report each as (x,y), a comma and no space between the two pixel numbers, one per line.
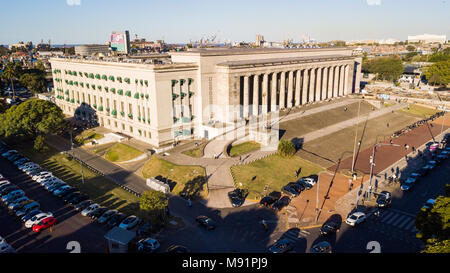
(4,182)
(41,176)
(89,209)
(355,218)
(23,166)
(35,219)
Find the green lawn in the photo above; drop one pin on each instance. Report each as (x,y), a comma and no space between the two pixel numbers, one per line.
(190,180)
(274,171)
(100,189)
(326,151)
(419,111)
(244,148)
(121,152)
(303,125)
(87,136)
(196,152)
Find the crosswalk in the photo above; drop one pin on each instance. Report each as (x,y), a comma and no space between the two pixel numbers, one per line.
(296,235)
(397,219)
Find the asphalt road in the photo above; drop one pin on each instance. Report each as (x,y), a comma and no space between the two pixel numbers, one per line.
(70,225)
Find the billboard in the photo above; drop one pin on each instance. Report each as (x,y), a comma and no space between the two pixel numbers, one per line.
(120,41)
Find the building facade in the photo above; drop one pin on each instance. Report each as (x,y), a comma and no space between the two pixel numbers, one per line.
(427,38)
(89,50)
(189,95)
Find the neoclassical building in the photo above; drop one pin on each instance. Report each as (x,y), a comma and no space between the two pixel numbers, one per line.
(193,94)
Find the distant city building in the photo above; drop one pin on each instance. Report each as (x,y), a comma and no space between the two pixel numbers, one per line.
(90,50)
(20,45)
(259,40)
(427,39)
(202,92)
(389,41)
(120,42)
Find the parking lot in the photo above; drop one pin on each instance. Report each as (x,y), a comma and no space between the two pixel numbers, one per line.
(70,225)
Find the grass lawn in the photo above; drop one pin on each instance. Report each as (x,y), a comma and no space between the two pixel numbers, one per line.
(327,150)
(419,111)
(307,124)
(121,152)
(100,189)
(87,136)
(274,171)
(244,148)
(184,180)
(196,152)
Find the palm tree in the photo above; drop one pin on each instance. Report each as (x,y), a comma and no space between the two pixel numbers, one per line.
(11,72)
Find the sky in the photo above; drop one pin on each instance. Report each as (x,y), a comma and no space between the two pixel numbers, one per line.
(179,21)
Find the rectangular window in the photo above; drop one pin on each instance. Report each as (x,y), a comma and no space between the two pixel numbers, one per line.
(131,129)
(121,107)
(130,109)
(107,103)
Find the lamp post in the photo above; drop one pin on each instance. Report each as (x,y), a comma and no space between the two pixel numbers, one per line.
(356,136)
(317,195)
(372,163)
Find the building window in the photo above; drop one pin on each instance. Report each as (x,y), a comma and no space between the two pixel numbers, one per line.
(123,126)
(131,129)
(149,135)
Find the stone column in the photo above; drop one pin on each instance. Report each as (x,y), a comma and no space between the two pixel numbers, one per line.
(273,91)
(246,95)
(341,80)
(305,86)
(346,80)
(336,81)
(330,82)
(312,88)
(290,94)
(325,83)
(255,95)
(265,93)
(185,100)
(282,89)
(298,79)
(318,91)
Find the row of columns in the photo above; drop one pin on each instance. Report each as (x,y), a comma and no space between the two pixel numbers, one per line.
(292,88)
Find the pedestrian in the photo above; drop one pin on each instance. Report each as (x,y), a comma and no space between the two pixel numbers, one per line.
(390,141)
(413,149)
(345,109)
(387,124)
(189,203)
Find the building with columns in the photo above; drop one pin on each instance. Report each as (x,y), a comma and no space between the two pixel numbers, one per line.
(197,92)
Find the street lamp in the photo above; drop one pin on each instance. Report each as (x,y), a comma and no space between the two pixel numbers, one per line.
(372,163)
(317,195)
(356,136)
(73,152)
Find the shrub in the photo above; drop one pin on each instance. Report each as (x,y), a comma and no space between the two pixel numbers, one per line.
(286,148)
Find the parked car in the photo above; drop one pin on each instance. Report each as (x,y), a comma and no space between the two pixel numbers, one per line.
(36,219)
(408,184)
(299,187)
(384,199)
(44,223)
(429,204)
(280,204)
(97,213)
(9,188)
(355,218)
(6,248)
(237,197)
(41,176)
(18,203)
(267,201)
(115,220)
(178,249)
(283,245)
(78,199)
(322,247)
(29,215)
(148,245)
(13,195)
(289,191)
(63,190)
(330,227)
(70,195)
(106,216)
(83,205)
(129,222)
(206,222)
(145,229)
(56,186)
(27,208)
(307,182)
(89,209)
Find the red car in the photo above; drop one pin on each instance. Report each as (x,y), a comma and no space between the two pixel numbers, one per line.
(44,223)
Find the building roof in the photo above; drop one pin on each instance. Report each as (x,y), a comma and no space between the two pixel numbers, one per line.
(284,61)
(221,51)
(120,235)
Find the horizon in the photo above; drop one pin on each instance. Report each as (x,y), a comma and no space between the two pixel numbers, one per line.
(179,22)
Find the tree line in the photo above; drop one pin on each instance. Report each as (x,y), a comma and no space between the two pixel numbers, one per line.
(31,79)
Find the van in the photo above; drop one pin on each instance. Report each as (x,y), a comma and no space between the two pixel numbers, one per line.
(28,208)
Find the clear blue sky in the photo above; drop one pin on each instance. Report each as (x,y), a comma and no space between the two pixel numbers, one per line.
(178,21)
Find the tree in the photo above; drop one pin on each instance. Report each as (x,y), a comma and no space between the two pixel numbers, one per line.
(31,119)
(386,68)
(286,148)
(438,73)
(434,223)
(153,205)
(11,72)
(436,246)
(410,48)
(35,82)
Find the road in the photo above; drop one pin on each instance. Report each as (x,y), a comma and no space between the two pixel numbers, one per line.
(70,225)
